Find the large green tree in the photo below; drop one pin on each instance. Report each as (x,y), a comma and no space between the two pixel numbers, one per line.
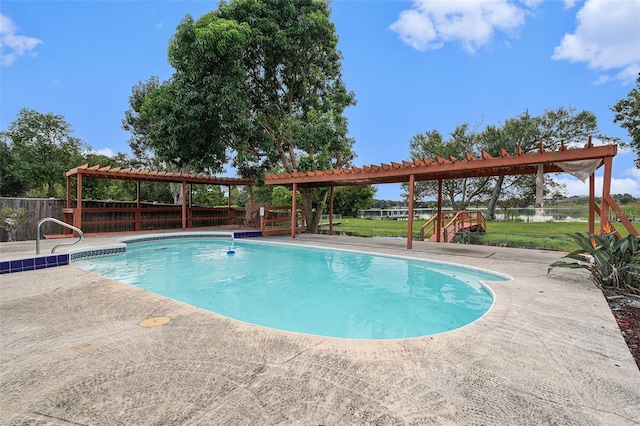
(141,126)
(195,115)
(348,200)
(11,182)
(530,133)
(138,125)
(261,77)
(627,113)
(43,148)
(459,193)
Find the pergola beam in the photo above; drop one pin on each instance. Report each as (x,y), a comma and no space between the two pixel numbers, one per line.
(445,169)
(154,176)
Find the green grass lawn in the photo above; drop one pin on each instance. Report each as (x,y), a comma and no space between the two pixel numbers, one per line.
(543,235)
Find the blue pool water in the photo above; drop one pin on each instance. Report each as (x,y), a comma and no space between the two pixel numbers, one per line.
(308,290)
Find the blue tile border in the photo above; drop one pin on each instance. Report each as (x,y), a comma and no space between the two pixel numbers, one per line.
(131,241)
(247,234)
(97,252)
(53,260)
(33,263)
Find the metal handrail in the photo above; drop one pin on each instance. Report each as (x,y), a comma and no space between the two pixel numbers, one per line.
(59,222)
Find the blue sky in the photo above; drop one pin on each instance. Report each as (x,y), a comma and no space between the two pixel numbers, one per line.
(413,66)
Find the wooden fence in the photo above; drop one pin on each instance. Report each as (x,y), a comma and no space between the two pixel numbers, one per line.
(126,216)
(121,216)
(277,221)
(114,216)
(35,209)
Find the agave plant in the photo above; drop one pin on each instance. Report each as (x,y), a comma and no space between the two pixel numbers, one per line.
(614,262)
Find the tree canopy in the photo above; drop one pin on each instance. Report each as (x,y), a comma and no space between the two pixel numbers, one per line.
(262,79)
(348,200)
(36,150)
(138,125)
(459,192)
(40,147)
(627,113)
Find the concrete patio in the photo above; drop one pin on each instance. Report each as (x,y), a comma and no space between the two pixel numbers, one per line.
(72,352)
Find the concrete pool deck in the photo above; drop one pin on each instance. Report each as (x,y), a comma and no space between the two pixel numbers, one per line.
(72,351)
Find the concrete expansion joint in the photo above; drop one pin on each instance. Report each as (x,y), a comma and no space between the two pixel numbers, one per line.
(300,353)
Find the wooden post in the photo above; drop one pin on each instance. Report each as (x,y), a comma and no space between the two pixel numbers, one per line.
(250,195)
(137,217)
(294,210)
(184,205)
(190,207)
(410,217)
(68,193)
(229,216)
(606,192)
(331,211)
(592,203)
(439,213)
(68,219)
(77,218)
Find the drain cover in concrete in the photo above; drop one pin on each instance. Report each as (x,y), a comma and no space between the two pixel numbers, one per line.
(154,321)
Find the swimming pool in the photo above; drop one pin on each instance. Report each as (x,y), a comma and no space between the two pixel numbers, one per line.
(324,292)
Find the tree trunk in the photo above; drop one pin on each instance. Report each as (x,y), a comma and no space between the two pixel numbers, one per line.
(176,192)
(493,201)
(51,190)
(312,214)
(176,188)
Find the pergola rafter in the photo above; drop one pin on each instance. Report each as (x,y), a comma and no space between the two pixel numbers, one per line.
(520,163)
(108,172)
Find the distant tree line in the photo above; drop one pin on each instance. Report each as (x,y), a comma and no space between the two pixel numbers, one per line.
(559,201)
(620,199)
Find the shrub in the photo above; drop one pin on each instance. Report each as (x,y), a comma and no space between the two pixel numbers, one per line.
(13,219)
(614,262)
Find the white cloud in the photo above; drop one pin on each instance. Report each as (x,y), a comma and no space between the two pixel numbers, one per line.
(568,4)
(105,151)
(619,185)
(531,3)
(607,38)
(431,23)
(12,45)
(634,173)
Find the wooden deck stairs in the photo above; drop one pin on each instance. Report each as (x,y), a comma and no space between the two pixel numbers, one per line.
(452,223)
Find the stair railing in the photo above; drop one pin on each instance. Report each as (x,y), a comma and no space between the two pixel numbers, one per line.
(59,222)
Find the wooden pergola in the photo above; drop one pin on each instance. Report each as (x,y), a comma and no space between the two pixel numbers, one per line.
(453,168)
(73,214)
